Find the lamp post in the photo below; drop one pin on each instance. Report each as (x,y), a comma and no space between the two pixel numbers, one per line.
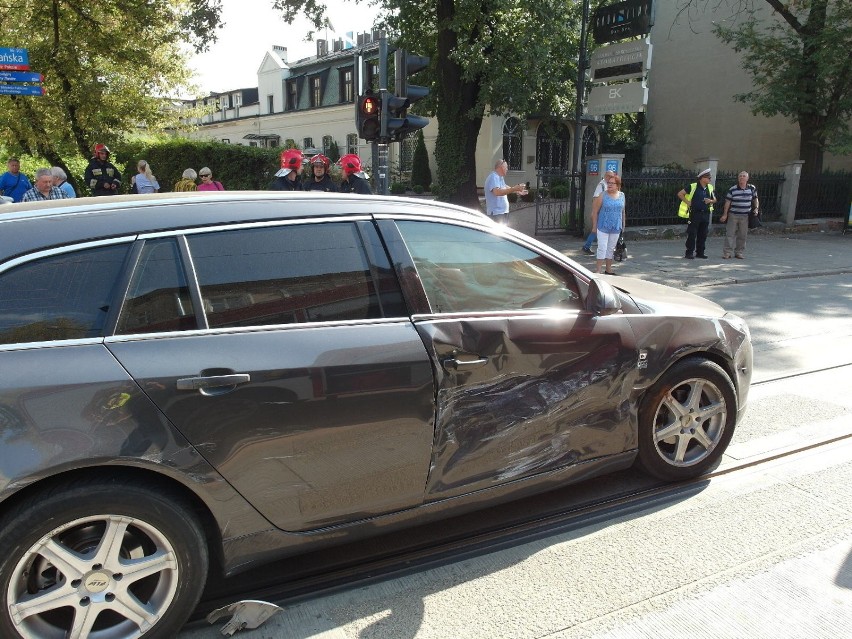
(578,110)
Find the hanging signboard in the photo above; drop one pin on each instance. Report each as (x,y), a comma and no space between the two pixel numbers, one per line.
(622,20)
(12,59)
(630,97)
(621,61)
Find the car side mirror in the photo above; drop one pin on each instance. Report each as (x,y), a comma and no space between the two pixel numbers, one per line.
(601,298)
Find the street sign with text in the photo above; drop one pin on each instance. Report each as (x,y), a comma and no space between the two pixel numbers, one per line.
(12,59)
(621,61)
(622,20)
(20,76)
(21,89)
(630,97)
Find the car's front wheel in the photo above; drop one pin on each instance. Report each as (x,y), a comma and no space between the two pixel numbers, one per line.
(100,559)
(686,420)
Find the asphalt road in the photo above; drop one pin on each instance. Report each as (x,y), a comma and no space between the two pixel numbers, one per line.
(764,552)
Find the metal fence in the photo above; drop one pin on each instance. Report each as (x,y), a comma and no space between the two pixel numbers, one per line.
(553,202)
(826,195)
(652,196)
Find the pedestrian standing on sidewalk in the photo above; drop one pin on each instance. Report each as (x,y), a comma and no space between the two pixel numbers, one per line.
(609,218)
(43,189)
(13,183)
(696,203)
(599,189)
(497,192)
(740,202)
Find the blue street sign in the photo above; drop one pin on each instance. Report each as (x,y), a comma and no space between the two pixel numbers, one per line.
(14,59)
(21,89)
(20,76)
(612,165)
(594,167)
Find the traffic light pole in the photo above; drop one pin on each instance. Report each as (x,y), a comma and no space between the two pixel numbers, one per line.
(578,115)
(380,146)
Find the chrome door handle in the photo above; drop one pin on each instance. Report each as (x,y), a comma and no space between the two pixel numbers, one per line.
(213,381)
(458,364)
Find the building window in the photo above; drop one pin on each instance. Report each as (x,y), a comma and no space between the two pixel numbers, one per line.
(238,99)
(270,103)
(327,141)
(553,141)
(513,144)
(347,85)
(316,91)
(352,143)
(590,143)
(307,143)
(292,96)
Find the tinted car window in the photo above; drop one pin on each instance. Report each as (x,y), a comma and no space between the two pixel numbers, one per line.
(64,296)
(158,297)
(466,270)
(292,274)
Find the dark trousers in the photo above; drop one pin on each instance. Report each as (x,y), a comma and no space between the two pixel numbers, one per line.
(696,233)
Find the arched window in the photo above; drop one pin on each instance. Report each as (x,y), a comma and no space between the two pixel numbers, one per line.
(513,144)
(589,144)
(552,141)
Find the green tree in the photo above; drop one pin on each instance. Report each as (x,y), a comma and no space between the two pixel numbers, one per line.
(797,52)
(421,174)
(512,56)
(108,69)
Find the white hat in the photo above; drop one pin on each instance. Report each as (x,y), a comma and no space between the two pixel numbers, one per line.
(704,172)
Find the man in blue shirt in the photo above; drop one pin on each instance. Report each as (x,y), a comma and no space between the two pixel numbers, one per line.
(13,183)
(496,192)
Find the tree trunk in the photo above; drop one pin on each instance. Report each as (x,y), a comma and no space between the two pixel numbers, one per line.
(811,145)
(459,120)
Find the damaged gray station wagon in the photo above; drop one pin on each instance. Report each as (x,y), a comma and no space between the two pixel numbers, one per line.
(194,384)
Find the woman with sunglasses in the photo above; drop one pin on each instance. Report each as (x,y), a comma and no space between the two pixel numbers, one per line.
(608,221)
(207,181)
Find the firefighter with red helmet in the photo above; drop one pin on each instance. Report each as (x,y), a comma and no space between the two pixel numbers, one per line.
(354,179)
(101,176)
(319,179)
(287,178)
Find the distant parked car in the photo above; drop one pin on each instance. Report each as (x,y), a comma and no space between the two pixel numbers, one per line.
(193,384)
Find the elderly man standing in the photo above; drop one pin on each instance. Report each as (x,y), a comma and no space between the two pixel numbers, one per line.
(496,192)
(43,189)
(740,202)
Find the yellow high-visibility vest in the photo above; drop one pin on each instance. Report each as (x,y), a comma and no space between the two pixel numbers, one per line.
(683,211)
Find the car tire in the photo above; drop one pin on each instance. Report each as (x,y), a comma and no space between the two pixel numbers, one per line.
(686,420)
(102,558)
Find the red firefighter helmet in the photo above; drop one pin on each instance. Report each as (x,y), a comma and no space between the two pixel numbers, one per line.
(350,163)
(100,147)
(319,158)
(291,159)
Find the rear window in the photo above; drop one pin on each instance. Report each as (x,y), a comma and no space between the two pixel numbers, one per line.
(64,296)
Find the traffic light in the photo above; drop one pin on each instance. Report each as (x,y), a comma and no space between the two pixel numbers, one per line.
(369,116)
(395,119)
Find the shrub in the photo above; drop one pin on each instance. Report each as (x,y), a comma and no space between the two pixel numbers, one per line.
(530,196)
(513,197)
(418,189)
(421,174)
(397,188)
(560,192)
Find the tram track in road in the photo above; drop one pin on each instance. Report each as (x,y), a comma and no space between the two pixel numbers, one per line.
(326,578)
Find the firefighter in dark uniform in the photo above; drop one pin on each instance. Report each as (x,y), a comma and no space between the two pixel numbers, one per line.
(101,176)
(319,179)
(288,178)
(354,180)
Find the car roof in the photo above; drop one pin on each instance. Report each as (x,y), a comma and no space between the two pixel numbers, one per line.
(34,226)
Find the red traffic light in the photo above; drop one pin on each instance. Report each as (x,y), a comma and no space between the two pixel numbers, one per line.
(369,106)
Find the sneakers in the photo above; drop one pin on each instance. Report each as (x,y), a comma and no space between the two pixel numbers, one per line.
(726,257)
(587,250)
(740,257)
(701,256)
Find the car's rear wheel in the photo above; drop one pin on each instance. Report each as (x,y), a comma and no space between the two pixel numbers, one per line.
(686,420)
(109,560)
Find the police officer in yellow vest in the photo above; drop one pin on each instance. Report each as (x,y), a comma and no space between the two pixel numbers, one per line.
(696,203)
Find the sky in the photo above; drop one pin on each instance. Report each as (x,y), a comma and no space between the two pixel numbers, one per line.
(252,27)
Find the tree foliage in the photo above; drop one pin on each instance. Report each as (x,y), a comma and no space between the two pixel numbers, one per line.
(797,52)
(108,70)
(487,57)
(421,174)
